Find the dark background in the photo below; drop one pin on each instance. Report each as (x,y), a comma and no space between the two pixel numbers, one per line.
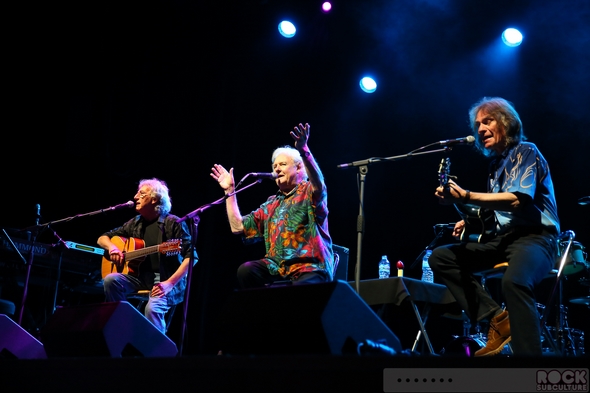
(102,94)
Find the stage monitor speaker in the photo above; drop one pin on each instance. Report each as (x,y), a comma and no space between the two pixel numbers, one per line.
(328,318)
(17,343)
(342,269)
(113,329)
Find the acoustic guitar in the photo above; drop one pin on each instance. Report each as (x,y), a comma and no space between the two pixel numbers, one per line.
(480,223)
(134,253)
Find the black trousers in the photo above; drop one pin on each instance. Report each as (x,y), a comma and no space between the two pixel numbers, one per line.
(255,274)
(530,253)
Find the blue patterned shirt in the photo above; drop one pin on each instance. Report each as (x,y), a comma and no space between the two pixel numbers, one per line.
(523,170)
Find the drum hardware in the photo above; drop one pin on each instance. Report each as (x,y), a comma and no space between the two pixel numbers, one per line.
(575,261)
(561,317)
(573,341)
(468,344)
(581,300)
(561,339)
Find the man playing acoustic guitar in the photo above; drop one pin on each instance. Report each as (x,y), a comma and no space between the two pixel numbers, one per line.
(520,192)
(149,252)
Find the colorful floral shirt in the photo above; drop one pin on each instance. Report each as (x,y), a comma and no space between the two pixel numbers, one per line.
(294,228)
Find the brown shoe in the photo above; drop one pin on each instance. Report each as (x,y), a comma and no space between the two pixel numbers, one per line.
(498,335)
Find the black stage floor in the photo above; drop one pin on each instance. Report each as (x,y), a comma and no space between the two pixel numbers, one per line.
(298,373)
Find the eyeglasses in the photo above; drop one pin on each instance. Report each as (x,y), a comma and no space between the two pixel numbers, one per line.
(141,194)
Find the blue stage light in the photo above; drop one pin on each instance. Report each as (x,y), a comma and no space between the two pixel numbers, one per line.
(368,84)
(287,29)
(512,37)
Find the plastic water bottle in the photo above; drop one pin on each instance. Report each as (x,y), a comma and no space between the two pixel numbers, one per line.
(427,274)
(384,267)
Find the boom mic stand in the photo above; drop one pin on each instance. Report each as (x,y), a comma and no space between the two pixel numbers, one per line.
(363,170)
(194,218)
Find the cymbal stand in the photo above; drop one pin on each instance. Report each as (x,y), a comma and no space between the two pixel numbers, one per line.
(557,344)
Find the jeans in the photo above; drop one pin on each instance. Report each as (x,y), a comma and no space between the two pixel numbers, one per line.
(117,286)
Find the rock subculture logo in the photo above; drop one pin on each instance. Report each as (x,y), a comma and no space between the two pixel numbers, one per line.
(562,380)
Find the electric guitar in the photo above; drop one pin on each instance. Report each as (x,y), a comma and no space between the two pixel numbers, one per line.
(480,223)
(134,253)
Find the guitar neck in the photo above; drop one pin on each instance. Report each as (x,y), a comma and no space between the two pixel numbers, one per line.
(141,252)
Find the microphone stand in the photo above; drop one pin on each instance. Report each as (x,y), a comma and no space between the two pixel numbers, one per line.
(60,242)
(67,219)
(194,218)
(360,222)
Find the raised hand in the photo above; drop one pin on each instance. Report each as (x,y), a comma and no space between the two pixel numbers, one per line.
(223,177)
(300,134)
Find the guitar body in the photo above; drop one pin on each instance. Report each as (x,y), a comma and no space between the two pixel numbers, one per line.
(129,266)
(480,223)
(134,253)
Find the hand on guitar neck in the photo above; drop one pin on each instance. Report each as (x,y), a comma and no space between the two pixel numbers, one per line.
(477,224)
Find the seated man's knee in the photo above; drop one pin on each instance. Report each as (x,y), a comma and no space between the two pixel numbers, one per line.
(245,269)
(110,279)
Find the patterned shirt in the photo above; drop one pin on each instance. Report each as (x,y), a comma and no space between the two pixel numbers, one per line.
(523,170)
(295,231)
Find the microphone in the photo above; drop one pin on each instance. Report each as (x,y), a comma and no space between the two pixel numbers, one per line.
(261,175)
(122,205)
(467,140)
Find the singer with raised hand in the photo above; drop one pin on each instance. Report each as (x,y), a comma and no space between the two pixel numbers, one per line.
(523,231)
(293,222)
(162,271)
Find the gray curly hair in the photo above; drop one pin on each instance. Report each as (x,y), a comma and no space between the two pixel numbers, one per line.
(159,190)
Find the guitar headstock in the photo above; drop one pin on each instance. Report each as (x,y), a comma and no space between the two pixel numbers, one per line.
(171,247)
(443,171)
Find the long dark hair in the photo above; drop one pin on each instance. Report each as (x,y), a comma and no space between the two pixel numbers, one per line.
(504,113)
